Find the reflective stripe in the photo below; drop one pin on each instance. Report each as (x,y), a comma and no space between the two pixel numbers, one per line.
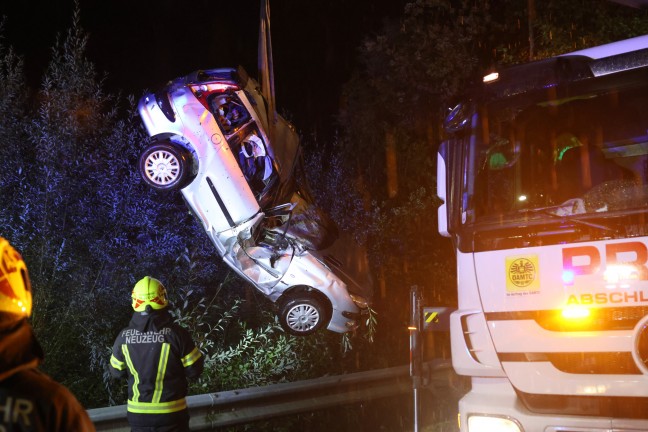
(129,362)
(156,408)
(119,365)
(159,379)
(191,358)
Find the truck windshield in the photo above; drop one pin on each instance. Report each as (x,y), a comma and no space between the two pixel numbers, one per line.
(581,155)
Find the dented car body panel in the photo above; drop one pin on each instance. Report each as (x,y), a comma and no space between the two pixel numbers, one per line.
(210,139)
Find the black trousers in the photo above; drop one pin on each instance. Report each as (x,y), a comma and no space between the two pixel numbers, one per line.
(166,428)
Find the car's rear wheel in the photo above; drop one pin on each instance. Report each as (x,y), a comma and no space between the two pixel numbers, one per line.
(165,166)
(302,315)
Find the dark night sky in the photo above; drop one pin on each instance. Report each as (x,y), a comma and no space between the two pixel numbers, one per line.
(142,44)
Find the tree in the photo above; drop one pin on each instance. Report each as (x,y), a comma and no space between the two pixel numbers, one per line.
(89,228)
(78,211)
(391,115)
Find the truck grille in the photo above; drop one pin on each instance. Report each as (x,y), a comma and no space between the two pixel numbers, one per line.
(604,319)
(616,407)
(584,363)
(615,363)
(620,318)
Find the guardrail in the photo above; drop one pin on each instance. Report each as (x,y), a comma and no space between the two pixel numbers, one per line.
(238,407)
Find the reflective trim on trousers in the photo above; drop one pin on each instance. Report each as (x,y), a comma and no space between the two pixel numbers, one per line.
(156,407)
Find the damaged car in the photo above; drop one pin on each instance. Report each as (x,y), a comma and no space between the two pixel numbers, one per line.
(237,169)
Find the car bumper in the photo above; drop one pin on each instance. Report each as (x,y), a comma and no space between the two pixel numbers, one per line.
(346,321)
(494,399)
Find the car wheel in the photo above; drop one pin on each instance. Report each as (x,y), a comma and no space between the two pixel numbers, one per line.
(303,315)
(164,166)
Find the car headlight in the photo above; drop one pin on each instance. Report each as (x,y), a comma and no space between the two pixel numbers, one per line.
(361,302)
(482,423)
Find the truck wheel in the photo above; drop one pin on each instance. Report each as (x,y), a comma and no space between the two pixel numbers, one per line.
(165,166)
(302,315)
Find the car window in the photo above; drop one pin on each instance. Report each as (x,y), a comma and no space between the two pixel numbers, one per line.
(229,112)
(255,161)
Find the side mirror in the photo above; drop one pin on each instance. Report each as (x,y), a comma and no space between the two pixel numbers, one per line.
(458,118)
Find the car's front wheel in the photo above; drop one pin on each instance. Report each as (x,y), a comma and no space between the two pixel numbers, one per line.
(165,166)
(302,315)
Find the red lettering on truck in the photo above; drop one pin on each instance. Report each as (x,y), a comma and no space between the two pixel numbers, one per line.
(584,260)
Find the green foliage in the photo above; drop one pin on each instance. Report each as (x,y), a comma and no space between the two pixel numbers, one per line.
(240,356)
(89,229)
(12,102)
(390,125)
(262,356)
(395,103)
(561,26)
(75,207)
(393,109)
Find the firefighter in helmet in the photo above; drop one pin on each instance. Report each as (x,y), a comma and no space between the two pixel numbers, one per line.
(30,400)
(158,357)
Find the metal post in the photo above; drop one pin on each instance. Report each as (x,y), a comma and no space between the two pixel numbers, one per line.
(415,349)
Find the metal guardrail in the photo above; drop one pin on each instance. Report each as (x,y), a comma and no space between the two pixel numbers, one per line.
(238,407)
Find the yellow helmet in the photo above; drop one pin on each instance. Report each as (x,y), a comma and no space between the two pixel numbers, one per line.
(15,288)
(149,292)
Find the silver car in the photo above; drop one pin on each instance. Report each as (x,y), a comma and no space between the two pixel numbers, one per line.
(210,139)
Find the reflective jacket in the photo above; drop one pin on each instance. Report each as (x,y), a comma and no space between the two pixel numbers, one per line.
(29,399)
(158,356)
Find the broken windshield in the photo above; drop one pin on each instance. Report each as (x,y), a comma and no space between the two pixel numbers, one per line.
(580,155)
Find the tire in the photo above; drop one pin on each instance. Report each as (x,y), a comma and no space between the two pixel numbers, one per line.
(302,315)
(165,166)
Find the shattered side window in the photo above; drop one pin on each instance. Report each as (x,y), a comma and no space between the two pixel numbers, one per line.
(229,112)
(256,163)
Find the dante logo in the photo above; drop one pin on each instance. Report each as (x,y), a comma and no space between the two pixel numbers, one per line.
(522,274)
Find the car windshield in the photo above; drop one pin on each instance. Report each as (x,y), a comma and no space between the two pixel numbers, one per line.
(582,154)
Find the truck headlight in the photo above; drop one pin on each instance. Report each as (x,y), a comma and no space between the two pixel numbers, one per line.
(482,423)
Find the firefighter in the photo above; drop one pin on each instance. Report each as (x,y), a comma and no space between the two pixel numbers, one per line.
(29,399)
(157,356)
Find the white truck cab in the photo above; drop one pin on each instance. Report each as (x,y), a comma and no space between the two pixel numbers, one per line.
(544,182)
